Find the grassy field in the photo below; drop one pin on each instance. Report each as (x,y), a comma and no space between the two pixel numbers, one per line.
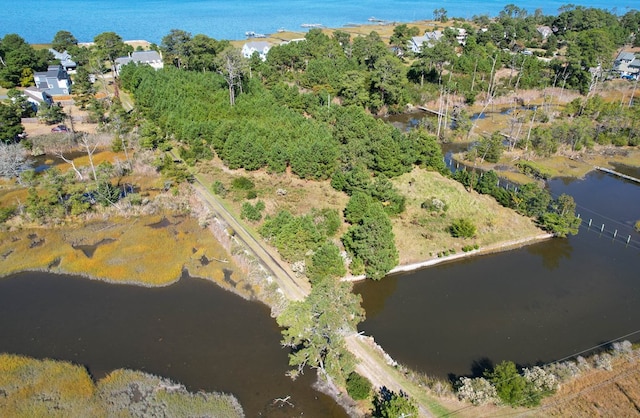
(422,234)
(38,388)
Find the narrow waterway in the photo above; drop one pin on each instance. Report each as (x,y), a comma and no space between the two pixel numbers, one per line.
(536,304)
(192,332)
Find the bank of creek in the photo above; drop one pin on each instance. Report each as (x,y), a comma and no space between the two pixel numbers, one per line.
(192,332)
(540,303)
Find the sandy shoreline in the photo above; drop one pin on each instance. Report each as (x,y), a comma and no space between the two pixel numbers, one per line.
(494,248)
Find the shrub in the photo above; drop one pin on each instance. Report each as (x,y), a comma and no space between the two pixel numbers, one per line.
(135,199)
(107,194)
(327,221)
(358,387)
(541,380)
(510,385)
(219,189)
(462,228)
(252,212)
(622,348)
(6,213)
(434,205)
(388,404)
(252,194)
(242,183)
(478,391)
(603,361)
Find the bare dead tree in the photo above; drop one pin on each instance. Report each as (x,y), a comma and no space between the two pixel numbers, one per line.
(233,67)
(58,153)
(90,147)
(13,161)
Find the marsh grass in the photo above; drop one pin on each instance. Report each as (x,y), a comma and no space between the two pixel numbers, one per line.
(564,164)
(31,388)
(422,234)
(127,250)
(44,388)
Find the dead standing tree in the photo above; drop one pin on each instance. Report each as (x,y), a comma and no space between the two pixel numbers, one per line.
(87,144)
(233,67)
(13,161)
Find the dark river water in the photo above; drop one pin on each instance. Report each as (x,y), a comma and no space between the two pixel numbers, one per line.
(540,303)
(192,332)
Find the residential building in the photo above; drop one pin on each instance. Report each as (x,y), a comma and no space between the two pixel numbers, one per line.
(55,81)
(65,60)
(544,31)
(152,58)
(38,96)
(261,47)
(416,43)
(627,65)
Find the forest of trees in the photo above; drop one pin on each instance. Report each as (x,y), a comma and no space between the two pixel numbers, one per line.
(310,108)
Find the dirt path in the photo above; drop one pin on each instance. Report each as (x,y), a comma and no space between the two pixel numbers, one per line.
(292,287)
(379,368)
(373,362)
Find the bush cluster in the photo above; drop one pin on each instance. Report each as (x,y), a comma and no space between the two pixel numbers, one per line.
(358,386)
(506,384)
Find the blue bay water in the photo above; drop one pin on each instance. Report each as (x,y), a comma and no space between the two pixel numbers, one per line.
(37,21)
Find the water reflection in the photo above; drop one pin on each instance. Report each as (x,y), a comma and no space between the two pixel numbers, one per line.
(552,252)
(534,304)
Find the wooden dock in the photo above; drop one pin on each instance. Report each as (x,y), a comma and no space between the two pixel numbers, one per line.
(615,173)
(435,112)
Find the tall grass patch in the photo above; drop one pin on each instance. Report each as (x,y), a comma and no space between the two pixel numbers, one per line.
(422,233)
(119,250)
(39,388)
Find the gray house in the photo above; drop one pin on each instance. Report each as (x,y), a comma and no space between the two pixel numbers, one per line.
(65,60)
(152,58)
(627,65)
(261,47)
(55,81)
(416,43)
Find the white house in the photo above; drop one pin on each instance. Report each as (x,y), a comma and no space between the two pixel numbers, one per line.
(261,47)
(37,96)
(544,31)
(55,81)
(152,58)
(461,36)
(416,43)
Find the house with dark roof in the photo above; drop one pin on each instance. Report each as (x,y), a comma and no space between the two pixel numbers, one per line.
(55,81)
(152,58)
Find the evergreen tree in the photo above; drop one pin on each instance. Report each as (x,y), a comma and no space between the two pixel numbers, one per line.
(371,242)
(315,329)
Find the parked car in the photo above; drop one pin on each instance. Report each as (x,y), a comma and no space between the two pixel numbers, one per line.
(60,128)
